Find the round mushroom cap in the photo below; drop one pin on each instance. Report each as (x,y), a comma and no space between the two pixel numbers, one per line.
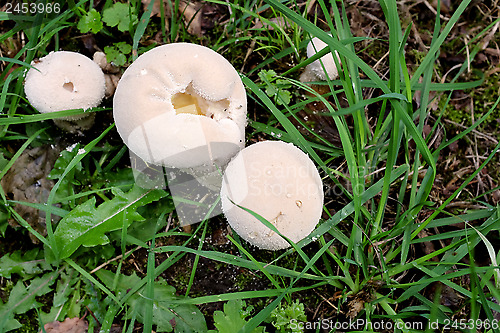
(181,105)
(64,80)
(314,46)
(280,183)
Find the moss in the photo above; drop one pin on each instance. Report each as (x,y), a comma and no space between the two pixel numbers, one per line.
(483,99)
(29,322)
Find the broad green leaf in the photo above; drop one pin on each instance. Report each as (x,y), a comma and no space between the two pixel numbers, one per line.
(90,22)
(121,15)
(87,225)
(123,47)
(16,263)
(113,55)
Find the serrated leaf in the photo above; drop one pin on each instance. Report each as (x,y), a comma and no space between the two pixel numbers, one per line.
(120,15)
(22,298)
(16,263)
(63,160)
(233,318)
(64,288)
(167,317)
(113,55)
(124,282)
(119,60)
(275,87)
(283,316)
(7,321)
(285,97)
(65,157)
(87,225)
(123,47)
(90,22)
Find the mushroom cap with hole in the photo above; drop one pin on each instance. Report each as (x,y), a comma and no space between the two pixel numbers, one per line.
(181,105)
(64,80)
(314,46)
(280,183)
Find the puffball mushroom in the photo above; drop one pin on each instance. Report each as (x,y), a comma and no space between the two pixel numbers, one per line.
(280,183)
(182,105)
(315,71)
(65,80)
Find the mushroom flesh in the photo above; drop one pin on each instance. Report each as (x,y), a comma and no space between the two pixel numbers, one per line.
(322,68)
(182,105)
(65,80)
(280,183)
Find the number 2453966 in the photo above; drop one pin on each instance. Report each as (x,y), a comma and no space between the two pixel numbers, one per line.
(32,8)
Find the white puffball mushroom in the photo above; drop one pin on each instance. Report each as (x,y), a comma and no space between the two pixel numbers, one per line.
(182,105)
(65,80)
(280,183)
(315,71)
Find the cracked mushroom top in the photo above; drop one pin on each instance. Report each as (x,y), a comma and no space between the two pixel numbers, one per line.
(64,80)
(181,105)
(280,183)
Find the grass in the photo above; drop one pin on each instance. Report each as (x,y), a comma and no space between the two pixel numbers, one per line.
(387,250)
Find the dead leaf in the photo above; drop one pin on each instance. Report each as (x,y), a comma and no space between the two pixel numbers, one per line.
(192,17)
(279,21)
(69,325)
(355,306)
(27,181)
(156,11)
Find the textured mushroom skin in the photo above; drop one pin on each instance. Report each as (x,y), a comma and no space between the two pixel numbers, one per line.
(277,181)
(314,46)
(149,124)
(64,80)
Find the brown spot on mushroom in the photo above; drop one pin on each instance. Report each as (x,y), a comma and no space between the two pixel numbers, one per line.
(69,86)
(298,203)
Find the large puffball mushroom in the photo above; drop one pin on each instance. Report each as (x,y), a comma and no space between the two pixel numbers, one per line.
(280,183)
(182,105)
(320,68)
(65,80)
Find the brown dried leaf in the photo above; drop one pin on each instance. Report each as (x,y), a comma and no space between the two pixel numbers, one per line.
(279,21)
(156,11)
(200,17)
(355,306)
(69,325)
(27,181)
(191,12)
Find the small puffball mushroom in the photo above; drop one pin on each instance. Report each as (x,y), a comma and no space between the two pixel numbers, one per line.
(280,183)
(315,71)
(65,80)
(182,105)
